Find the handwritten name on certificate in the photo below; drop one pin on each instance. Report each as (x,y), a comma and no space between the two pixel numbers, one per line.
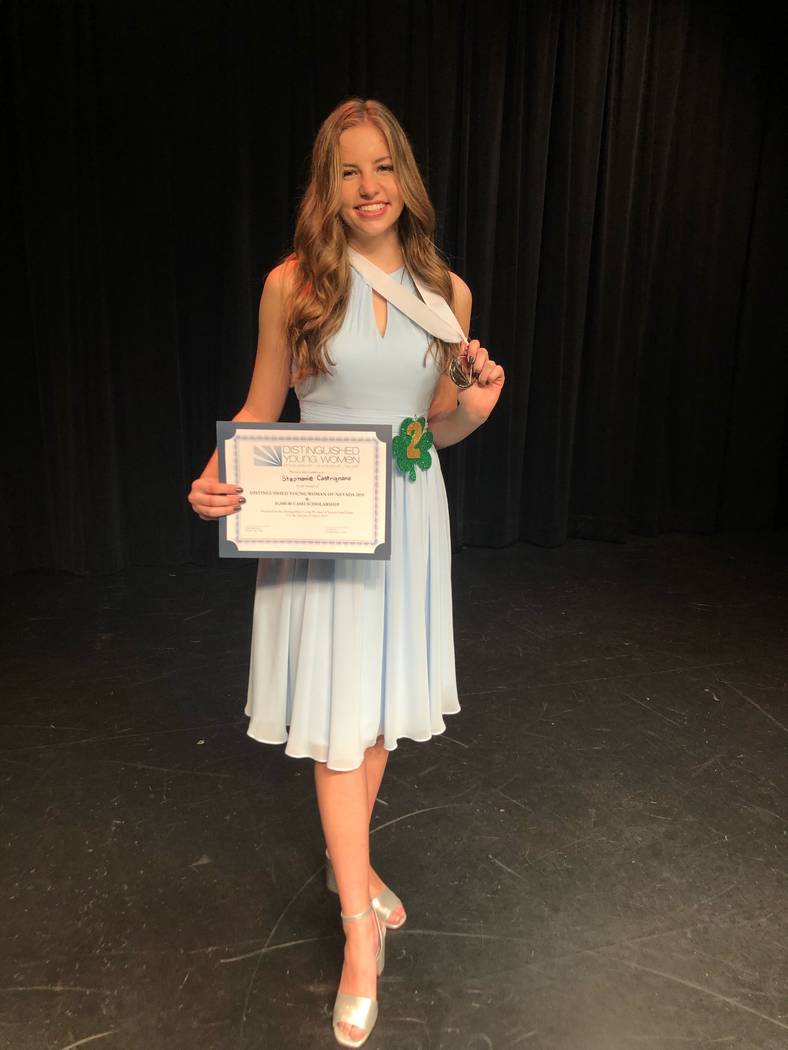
(313,490)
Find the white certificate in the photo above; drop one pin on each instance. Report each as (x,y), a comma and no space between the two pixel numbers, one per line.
(313,490)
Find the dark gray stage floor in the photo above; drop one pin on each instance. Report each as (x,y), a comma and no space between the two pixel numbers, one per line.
(593,856)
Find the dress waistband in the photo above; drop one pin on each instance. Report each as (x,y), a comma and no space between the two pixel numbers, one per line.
(317,412)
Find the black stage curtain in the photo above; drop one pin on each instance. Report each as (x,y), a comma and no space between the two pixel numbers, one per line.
(609,178)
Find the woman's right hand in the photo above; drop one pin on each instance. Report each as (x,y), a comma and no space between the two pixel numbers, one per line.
(212,499)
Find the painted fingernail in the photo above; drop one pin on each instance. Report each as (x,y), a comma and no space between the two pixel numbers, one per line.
(238,488)
(242,499)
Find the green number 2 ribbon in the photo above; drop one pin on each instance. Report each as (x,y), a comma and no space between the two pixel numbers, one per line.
(411,446)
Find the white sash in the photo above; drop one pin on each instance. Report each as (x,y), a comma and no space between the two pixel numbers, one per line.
(434,314)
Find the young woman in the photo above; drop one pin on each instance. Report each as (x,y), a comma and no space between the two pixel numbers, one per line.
(350,655)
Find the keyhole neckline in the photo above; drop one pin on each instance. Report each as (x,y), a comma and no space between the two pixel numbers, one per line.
(382,337)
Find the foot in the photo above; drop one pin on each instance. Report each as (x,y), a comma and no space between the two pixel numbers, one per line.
(359,972)
(376,885)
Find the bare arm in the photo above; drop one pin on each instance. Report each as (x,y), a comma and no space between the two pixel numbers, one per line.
(453,413)
(209,497)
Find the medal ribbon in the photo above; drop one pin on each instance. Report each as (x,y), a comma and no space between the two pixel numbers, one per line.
(412,444)
(433,314)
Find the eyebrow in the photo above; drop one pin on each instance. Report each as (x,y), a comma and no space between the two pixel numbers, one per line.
(347,163)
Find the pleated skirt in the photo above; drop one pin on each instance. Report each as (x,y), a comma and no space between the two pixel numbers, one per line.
(346,650)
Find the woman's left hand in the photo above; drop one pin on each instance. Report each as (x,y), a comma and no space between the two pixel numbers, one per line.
(480,398)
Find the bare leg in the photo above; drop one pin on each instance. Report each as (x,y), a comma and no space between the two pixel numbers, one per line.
(375,759)
(343,801)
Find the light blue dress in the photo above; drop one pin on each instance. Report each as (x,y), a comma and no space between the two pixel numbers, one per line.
(345,650)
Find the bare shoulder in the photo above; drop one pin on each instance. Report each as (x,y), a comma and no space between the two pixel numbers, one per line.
(282,277)
(462,301)
(273,302)
(462,293)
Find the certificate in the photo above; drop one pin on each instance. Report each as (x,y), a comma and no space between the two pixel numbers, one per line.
(313,490)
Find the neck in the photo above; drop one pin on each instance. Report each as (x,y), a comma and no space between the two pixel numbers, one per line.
(384,250)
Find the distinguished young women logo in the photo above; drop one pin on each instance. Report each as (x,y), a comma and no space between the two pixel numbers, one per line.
(267,456)
(305,455)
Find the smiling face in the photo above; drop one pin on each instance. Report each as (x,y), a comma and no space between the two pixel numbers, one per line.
(368,178)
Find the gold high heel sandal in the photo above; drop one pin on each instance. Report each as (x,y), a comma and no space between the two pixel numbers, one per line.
(359,1010)
(385,903)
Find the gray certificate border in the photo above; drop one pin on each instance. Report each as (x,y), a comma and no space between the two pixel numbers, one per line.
(227,429)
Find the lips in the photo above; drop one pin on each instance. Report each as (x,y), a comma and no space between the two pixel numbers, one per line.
(369,204)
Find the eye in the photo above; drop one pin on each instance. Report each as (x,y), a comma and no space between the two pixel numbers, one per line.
(381,167)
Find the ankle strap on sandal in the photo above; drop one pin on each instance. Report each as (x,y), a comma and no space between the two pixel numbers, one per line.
(360,915)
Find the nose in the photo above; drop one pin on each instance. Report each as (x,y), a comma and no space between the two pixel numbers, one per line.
(369,185)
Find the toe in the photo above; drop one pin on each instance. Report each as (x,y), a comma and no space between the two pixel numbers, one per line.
(351,1031)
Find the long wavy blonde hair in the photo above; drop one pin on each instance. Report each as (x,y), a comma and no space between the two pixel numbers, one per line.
(320,287)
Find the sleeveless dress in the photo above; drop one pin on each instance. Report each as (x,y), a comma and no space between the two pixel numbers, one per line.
(345,650)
